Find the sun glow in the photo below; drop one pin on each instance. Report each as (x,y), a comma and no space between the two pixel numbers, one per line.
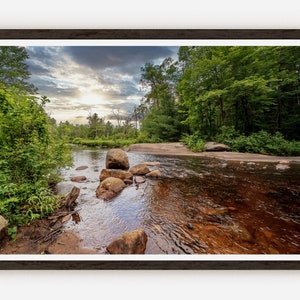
(91,99)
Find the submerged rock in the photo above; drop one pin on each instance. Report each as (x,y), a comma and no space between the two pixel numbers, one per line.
(152,163)
(81,168)
(242,233)
(140,169)
(121,174)
(110,188)
(213,146)
(78,178)
(117,159)
(133,242)
(282,166)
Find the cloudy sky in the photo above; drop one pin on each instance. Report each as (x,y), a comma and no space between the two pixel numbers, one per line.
(91,79)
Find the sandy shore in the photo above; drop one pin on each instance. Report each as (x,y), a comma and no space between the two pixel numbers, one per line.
(179,149)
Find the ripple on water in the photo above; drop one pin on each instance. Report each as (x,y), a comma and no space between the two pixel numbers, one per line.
(179,212)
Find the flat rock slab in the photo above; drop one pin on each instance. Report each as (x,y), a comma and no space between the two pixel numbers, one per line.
(181,150)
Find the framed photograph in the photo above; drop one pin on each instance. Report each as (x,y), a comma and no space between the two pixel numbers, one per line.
(149,149)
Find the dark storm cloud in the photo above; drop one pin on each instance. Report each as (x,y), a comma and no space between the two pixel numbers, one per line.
(44,55)
(35,68)
(127,59)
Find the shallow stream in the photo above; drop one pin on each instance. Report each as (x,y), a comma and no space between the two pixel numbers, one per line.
(199,206)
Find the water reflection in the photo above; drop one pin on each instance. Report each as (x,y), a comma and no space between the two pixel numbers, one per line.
(200,205)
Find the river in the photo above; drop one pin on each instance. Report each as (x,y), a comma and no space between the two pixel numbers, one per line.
(200,205)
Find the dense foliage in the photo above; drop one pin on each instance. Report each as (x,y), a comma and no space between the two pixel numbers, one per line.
(30,154)
(252,91)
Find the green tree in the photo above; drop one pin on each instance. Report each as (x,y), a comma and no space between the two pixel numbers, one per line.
(13,68)
(250,88)
(30,152)
(161,120)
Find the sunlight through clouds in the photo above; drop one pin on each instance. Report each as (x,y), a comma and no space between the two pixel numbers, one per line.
(91,79)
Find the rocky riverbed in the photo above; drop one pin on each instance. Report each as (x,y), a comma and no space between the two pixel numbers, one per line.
(212,202)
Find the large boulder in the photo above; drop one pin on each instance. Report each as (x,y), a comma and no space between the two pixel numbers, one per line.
(213,146)
(110,188)
(3,228)
(121,174)
(117,159)
(129,243)
(140,169)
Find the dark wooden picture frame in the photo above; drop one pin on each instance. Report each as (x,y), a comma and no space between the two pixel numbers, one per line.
(249,263)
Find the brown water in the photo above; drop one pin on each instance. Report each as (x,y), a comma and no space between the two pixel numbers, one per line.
(200,205)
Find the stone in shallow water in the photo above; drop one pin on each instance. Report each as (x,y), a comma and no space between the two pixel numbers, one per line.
(133,242)
(81,168)
(139,179)
(282,166)
(78,178)
(117,159)
(242,233)
(121,174)
(110,188)
(140,169)
(154,173)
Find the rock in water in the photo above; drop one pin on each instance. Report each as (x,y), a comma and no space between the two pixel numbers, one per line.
(117,159)
(139,179)
(154,173)
(3,228)
(81,168)
(110,188)
(140,169)
(213,146)
(78,178)
(129,243)
(121,174)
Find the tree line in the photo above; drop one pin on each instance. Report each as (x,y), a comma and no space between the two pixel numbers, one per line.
(237,94)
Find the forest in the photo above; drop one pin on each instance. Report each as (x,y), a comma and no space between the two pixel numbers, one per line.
(247,97)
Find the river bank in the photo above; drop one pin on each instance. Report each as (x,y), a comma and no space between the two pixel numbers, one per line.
(180,149)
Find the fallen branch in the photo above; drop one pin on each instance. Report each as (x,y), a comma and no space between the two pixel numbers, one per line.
(71,198)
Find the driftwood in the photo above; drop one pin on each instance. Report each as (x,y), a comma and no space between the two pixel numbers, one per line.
(71,198)
(51,235)
(63,214)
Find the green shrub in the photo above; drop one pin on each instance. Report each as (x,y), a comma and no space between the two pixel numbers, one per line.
(260,142)
(104,143)
(193,142)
